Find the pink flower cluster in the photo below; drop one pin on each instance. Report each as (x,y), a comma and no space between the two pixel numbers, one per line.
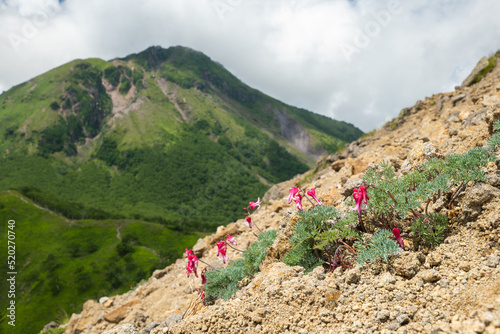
(361,198)
(296,195)
(221,251)
(252,206)
(192,265)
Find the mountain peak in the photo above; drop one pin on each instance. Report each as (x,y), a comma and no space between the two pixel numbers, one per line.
(154,56)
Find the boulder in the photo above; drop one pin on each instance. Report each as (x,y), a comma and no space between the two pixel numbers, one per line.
(120,312)
(50,325)
(481,65)
(407,264)
(122,329)
(89,317)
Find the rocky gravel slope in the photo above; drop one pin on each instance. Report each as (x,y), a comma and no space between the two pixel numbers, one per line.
(451,288)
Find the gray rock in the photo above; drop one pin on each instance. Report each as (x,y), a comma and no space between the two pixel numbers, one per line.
(458,98)
(494,179)
(481,65)
(444,283)
(429,276)
(453,117)
(481,194)
(150,327)
(475,118)
(433,260)
(122,329)
(171,320)
(352,276)
(353,150)
(407,264)
(200,247)
(403,319)
(495,221)
(273,194)
(102,300)
(319,273)
(50,325)
(493,261)
(349,186)
(490,100)
(487,317)
(383,315)
(393,326)
(439,103)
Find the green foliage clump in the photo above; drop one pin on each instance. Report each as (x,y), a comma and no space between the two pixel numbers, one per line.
(431,228)
(313,232)
(379,246)
(125,86)
(55,106)
(223,283)
(112,74)
(392,197)
(87,97)
(58,330)
(68,209)
(367,134)
(495,138)
(339,229)
(256,253)
(53,138)
(492,63)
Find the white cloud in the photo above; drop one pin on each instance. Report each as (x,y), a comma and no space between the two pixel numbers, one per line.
(292,50)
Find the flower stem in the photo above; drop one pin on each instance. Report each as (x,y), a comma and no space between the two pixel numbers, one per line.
(239,250)
(455,195)
(257,227)
(349,247)
(308,198)
(389,193)
(212,267)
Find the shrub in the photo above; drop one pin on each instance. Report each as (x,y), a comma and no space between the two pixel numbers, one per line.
(495,138)
(318,229)
(379,246)
(394,198)
(223,283)
(431,228)
(256,253)
(492,63)
(58,330)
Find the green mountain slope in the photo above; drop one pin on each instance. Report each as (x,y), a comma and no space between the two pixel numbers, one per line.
(165,134)
(61,263)
(156,147)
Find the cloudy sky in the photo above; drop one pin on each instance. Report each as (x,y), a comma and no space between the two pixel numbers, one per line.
(360,61)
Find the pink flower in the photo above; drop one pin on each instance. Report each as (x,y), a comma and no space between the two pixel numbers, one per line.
(396,233)
(203,276)
(189,252)
(249,221)
(221,251)
(360,196)
(293,191)
(255,204)
(202,295)
(312,193)
(231,240)
(364,195)
(298,202)
(192,265)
